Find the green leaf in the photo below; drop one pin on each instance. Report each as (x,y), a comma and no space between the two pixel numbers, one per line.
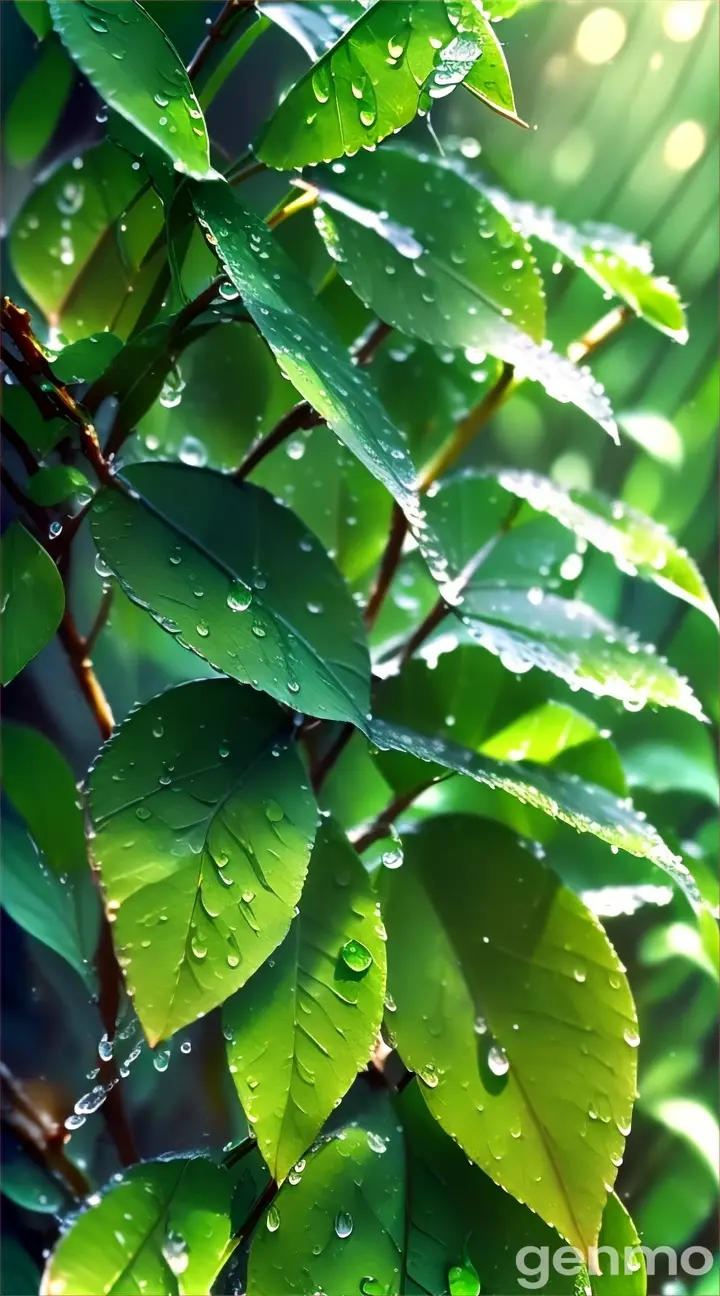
(584,806)
(389,65)
(38,105)
(316,28)
(339,1228)
(33,599)
(30,1187)
(614,259)
(53,485)
(282,304)
(240,596)
(422,268)
(307,1022)
(638,545)
(134,66)
(37,16)
(18,1271)
(23,415)
(618,1277)
(573,641)
(41,786)
(39,902)
(208,787)
(68,249)
(164,1228)
(516,1017)
(85,360)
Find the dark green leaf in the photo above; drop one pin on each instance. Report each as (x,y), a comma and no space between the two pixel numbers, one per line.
(240,596)
(516,1017)
(421,266)
(203,828)
(41,786)
(164,1228)
(23,415)
(33,599)
(615,260)
(68,249)
(38,105)
(37,16)
(85,360)
(39,902)
(300,334)
(53,485)
(34,1189)
(339,1228)
(307,1022)
(638,545)
(133,65)
(584,806)
(624,1273)
(18,1271)
(390,64)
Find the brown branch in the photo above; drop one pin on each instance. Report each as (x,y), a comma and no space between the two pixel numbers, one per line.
(40,1133)
(388,565)
(600,333)
(110,982)
(215,34)
(467,429)
(366,351)
(324,765)
(437,613)
(253,168)
(100,621)
(381,826)
(301,417)
(76,648)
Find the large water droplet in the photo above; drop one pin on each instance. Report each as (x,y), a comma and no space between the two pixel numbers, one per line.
(463,1280)
(498,1060)
(343,1224)
(356,955)
(272,1219)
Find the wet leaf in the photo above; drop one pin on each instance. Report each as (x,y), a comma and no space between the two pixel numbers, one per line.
(423,267)
(339,1228)
(164,1228)
(615,260)
(33,599)
(85,360)
(198,802)
(229,593)
(35,111)
(301,336)
(68,249)
(133,65)
(40,903)
(306,1024)
(53,485)
(41,786)
(638,545)
(23,415)
(30,1187)
(516,1018)
(584,806)
(390,64)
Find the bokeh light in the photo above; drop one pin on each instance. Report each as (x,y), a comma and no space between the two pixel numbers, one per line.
(684,146)
(600,36)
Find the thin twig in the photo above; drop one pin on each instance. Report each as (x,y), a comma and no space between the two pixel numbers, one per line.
(100,621)
(40,1133)
(307,198)
(301,417)
(253,168)
(324,765)
(215,34)
(466,430)
(388,565)
(600,333)
(365,352)
(110,982)
(381,826)
(92,690)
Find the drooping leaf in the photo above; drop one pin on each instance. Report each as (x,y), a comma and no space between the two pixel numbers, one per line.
(308,1020)
(38,105)
(164,1228)
(39,902)
(41,786)
(390,64)
(516,1018)
(23,415)
(228,591)
(33,599)
(133,65)
(85,360)
(57,483)
(623,1271)
(573,641)
(339,1228)
(614,259)
(207,786)
(300,335)
(69,251)
(427,267)
(584,806)
(37,16)
(638,545)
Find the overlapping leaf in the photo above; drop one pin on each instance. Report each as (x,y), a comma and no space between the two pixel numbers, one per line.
(164,1228)
(307,1022)
(33,599)
(390,64)
(38,106)
(40,903)
(203,825)
(133,65)
(40,784)
(516,1018)
(584,806)
(445,271)
(614,259)
(208,558)
(339,1227)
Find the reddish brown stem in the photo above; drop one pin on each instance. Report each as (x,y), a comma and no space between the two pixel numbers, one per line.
(215,34)
(299,418)
(326,762)
(388,565)
(76,648)
(381,826)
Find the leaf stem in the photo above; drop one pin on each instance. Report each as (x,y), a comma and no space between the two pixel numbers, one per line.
(40,1133)
(467,429)
(215,33)
(306,199)
(384,821)
(600,333)
(76,648)
(301,417)
(388,565)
